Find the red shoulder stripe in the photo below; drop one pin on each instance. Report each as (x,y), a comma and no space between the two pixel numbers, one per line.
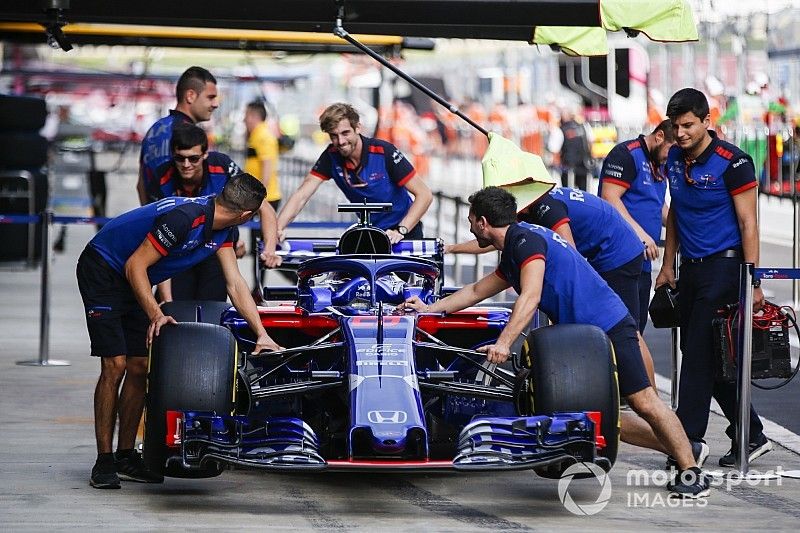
(166,177)
(407,178)
(199,220)
(318,175)
(500,274)
(615,181)
(559,223)
(633,145)
(534,257)
(216,169)
(727,154)
(376,149)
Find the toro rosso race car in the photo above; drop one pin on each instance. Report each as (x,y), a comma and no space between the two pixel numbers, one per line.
(361,385)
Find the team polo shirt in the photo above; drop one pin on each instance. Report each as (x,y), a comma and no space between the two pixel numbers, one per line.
(572,292)
(156,151)
(629,165)
(702,192)
(179,228)
(263,145)
(601,235)
(218,168)
(380,177)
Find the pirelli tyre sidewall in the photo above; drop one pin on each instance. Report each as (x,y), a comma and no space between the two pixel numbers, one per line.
(572,368)
(192,367)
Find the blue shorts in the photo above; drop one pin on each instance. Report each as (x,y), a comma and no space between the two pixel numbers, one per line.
(117,323)
(630,366)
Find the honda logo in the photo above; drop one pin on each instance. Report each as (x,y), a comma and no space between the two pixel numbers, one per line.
(387,417)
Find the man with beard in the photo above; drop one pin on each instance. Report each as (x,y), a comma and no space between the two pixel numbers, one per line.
(366,170)
(632,181)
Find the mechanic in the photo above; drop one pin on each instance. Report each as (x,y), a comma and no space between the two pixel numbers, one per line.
(194,171)
(600,234)
(712,221)
(365,169)
(116,272)
(575,150)
(196,92)
(262,151)
(550,274)
(632,181)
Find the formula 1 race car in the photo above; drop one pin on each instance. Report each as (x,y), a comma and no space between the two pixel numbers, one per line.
(363,385)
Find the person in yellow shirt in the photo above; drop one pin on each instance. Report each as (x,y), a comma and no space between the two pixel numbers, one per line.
(262,151)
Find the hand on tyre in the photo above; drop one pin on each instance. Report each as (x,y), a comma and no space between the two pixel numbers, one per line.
(264,342)
(155,327)
(496,353)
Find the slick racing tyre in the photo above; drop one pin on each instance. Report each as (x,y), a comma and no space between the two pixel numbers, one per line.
(210,311)
(192,367)
(572,368)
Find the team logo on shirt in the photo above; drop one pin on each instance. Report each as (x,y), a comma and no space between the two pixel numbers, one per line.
(541,210)
(397,156)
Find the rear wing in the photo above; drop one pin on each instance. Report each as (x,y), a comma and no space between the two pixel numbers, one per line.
(295,251)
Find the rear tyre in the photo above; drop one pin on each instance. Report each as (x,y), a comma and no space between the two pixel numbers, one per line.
(192,367)
(186,310)
(572,368)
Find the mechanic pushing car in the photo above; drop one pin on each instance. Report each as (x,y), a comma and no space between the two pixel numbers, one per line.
(550,274)
(365,170)
(195,171)
(116,272)
(631,180)
(600,234)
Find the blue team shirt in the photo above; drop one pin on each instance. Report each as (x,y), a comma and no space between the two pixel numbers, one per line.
(218,169)
(629,165)
(702,192)
(179,228)
(572,293)
(156,151)
(380,177)
(601,235)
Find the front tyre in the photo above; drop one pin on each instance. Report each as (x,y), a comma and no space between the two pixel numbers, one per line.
(192,367)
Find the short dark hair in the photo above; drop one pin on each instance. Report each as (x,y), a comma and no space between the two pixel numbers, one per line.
(195,79)
(258,107)
(242,192)
(186,136)
(335,113)
(497,205)
(688,100)
(665,127)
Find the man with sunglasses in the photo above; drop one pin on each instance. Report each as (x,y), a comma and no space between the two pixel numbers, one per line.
(196,92)
(194,171)
(116,273)
(631,180)
(365,170)
(712,221)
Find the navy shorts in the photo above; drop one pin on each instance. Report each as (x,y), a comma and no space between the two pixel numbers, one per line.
(624,281)
(630,367)
(117,323)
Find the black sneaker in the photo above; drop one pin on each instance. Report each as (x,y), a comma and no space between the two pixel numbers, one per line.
(689,483)
(699,451)
(130,467)
(104,476)
(757,449)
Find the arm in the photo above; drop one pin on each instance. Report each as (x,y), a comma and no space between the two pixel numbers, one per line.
(612,193)
(744,204)
(422,201)
(269,231)
(469,247)
(531,280)
(242,300)
(297,201)
(165,290)
(136,274)
(667,273)
(466,296)
(140,190)
(566,232)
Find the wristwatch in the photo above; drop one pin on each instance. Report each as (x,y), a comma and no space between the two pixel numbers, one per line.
(402,230)
(756,283)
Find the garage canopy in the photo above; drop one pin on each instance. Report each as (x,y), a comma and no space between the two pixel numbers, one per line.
(479,19)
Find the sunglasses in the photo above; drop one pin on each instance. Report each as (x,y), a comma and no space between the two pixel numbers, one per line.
(193,159)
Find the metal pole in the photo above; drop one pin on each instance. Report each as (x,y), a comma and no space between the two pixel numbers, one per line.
(44,301)
(676,357)
(745,345)
(796,246)
(457,261)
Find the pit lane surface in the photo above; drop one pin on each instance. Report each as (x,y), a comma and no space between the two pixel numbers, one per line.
(47,449)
